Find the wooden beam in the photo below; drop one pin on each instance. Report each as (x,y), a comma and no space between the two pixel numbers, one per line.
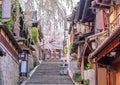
(110,47)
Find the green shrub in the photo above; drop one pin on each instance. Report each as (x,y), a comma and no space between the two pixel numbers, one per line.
(87,64)
(74,59)
(86,82)
(8,24)
(79,79)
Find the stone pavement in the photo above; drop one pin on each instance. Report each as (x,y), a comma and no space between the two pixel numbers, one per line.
(48,74)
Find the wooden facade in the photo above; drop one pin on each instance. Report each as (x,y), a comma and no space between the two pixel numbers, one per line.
(103,46)
(106,55)
(9,62)
(52,55)
(7,39)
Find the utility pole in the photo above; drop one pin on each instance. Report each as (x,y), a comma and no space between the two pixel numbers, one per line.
(43,53)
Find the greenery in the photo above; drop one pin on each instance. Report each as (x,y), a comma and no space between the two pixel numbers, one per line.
(74,58)
(35,34)
(33,56)
(86,82)
(73,47)
(79,79)
(0,13)
(65,49)
(87,64)
(8,24)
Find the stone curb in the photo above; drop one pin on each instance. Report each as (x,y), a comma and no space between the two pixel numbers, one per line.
(70,74)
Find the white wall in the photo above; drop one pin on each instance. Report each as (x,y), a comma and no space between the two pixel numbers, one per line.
(9,68)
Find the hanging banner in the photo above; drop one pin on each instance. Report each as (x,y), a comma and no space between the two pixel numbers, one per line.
(6,9)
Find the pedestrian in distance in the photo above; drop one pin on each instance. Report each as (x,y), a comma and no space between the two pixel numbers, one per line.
(61,68)
(65,67)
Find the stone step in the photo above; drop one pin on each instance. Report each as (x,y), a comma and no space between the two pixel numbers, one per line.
(48,74)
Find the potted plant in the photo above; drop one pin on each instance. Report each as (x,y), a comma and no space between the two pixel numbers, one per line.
(86,82)
(78,79)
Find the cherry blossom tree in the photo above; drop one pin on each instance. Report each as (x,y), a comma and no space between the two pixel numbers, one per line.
(51,15)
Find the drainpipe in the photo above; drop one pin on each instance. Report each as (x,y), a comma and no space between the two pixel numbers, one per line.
(96,65)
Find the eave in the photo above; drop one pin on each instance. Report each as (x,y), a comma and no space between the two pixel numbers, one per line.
(109,44)
(11,37)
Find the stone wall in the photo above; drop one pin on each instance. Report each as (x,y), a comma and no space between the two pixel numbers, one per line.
(9,68)
(90,75)
(30,63)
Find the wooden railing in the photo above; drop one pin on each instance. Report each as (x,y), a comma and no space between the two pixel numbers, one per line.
(113,26)
(99,38)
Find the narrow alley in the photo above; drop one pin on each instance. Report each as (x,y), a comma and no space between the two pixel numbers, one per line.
(59,42)
(47,73)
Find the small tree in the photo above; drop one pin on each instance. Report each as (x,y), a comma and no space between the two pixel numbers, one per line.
(35,34)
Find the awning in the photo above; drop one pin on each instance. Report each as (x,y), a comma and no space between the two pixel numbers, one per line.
(83,36)
(109,44)
(79,12)
(88,15)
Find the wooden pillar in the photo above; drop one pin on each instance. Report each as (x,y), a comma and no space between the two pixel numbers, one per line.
(82,67)
(103,21)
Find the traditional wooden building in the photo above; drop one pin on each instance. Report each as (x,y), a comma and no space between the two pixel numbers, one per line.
(105,57)
(83,24)
(9,59)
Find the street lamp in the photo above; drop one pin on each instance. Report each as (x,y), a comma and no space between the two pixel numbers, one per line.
(23,62)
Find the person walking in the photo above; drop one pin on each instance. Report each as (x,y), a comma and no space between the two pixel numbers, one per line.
(61,71)
(65,67)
